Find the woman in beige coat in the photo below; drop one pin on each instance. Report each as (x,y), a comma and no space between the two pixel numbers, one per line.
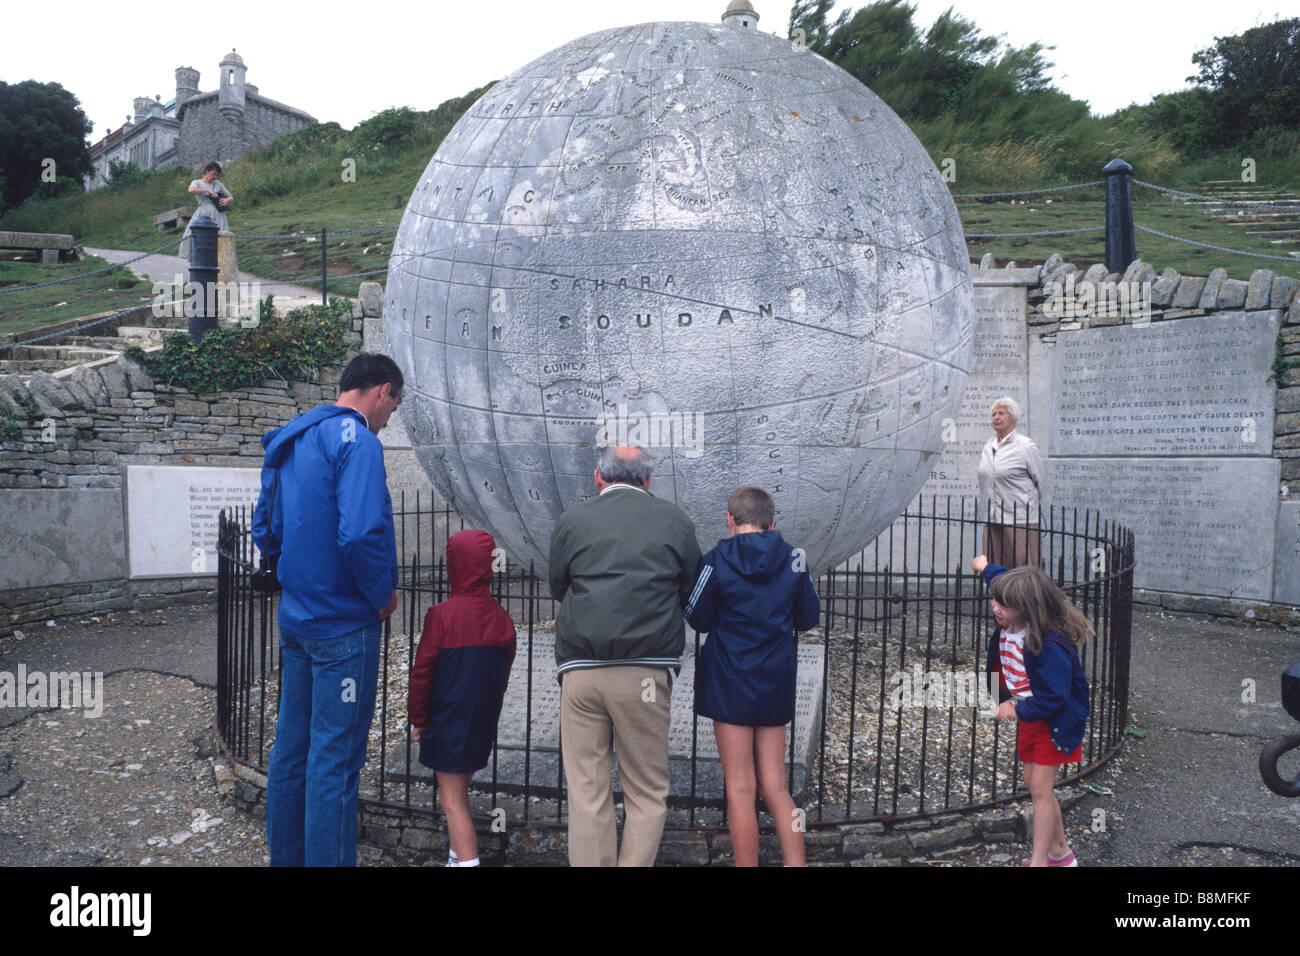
(1012,487)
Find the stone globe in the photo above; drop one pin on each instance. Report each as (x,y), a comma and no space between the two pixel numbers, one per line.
(699,238)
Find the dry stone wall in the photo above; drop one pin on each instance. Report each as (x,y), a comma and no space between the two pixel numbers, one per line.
(63,477)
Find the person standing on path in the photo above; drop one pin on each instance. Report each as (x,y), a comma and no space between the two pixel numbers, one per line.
(213,197)
(325,509)
(622,565)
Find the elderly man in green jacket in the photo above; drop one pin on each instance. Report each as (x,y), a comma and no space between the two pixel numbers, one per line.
(622,566)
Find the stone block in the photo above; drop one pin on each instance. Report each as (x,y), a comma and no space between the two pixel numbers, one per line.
(1189,293)
(114,376)
(371,297)
(1283,292)
(137,379)
(944,837)
(1232,294)
(685,849)
(415,838)
(870,844)
(1260,290)
(1162,293)
(47,385)
(1213,283)
(191,409)
(1097,272)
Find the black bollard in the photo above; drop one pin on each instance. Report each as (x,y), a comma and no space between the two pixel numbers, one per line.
(1120,247)
(201,307)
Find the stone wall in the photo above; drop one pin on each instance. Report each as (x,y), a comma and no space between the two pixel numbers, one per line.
(63,495)
(1174,401)
(394,835)
(207,135)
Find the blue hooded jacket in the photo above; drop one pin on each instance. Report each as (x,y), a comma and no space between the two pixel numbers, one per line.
(752,594)
(332,522)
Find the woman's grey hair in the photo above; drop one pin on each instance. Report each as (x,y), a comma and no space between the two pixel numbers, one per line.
(633,466)
(1010,404)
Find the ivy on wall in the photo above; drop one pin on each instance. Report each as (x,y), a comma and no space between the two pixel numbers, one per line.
(288,347)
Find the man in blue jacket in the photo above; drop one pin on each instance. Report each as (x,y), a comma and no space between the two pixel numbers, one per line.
(325,508)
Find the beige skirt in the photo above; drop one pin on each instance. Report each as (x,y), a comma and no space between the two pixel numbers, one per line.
(1011,545)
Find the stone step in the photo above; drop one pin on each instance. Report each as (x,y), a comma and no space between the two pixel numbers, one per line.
(1277,234)
(1250,219)
(24,367)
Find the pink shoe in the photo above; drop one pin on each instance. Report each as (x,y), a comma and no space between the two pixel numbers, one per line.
(1067,860)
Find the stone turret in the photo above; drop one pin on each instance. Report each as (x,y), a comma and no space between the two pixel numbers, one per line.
(231,90)
(187,84)
(143,107)
(740,14)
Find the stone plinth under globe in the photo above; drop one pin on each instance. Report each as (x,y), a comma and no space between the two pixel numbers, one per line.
(691,220)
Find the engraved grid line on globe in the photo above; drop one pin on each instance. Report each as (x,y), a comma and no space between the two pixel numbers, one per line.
(681,171)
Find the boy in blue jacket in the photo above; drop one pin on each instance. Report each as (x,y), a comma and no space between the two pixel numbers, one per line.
(753,593)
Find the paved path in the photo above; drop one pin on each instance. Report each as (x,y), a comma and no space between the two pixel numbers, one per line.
(1187,793)
(164,268)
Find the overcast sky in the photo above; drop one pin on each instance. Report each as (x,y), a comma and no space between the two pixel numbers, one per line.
(345,67)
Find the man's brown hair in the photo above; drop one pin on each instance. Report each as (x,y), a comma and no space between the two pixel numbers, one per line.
(752,505)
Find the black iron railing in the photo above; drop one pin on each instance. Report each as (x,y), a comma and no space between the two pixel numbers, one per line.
(904,618)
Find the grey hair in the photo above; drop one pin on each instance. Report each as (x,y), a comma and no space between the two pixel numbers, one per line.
(633,469)
(1010,404)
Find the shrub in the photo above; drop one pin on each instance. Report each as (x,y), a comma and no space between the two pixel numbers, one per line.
(287,348)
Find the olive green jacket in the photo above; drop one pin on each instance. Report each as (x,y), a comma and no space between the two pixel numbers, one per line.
(622,566)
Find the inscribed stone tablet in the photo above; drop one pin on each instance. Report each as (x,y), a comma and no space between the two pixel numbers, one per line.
(1203,525)
(172,515)
(1195,386)
(542,734)
(999,366)
(60,536)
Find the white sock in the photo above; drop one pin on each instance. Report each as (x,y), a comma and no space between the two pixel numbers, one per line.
(473,862)
(452,859)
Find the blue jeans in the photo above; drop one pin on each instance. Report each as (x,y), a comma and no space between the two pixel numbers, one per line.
(327,701)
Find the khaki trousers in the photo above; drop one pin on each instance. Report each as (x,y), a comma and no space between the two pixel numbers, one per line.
(631,704)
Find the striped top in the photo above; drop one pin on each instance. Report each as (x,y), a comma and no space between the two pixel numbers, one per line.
(1011,651)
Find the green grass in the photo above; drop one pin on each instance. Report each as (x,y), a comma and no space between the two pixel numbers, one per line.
(1080,210)
(23,311)
(300,189)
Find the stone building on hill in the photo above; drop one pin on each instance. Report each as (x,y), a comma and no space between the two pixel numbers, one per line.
(193,128)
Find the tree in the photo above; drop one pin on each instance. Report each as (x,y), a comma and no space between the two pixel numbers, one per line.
(39,122)
(123,173)
(1253,81)
(951,70)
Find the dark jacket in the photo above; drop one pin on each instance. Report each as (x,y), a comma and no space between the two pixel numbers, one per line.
(461,670)
(622,565)
(751,596)
(332,522)
(1056,680)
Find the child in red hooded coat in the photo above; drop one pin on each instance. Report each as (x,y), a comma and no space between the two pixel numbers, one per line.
(458,683)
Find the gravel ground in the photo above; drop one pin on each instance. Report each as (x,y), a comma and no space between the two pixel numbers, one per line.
(135,786)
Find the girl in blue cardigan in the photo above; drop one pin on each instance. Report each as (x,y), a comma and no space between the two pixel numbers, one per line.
(1043,686)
